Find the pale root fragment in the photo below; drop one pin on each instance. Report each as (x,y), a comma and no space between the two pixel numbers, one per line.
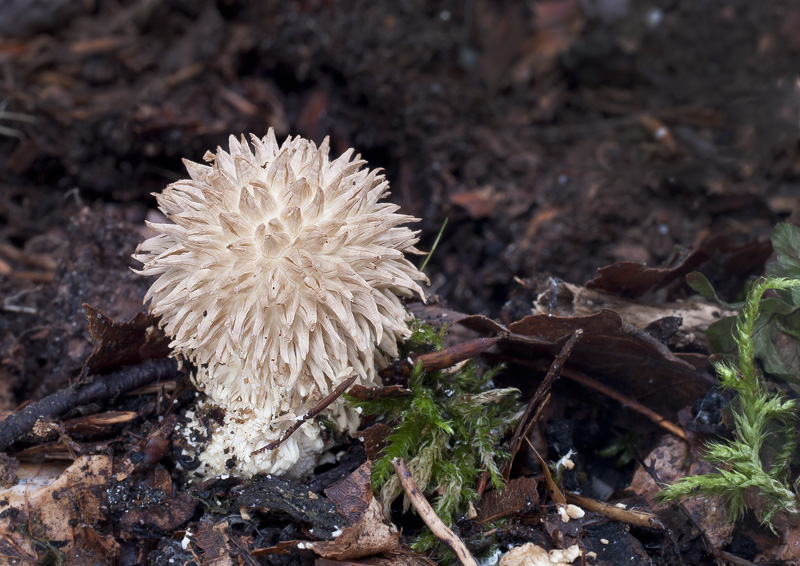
(530,554)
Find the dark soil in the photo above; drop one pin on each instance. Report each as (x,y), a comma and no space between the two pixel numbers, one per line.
(555,137)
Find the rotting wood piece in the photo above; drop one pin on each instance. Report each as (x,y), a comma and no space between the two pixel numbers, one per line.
(271,494)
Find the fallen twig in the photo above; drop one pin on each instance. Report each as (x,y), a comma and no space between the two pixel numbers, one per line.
(630,516)
(435,361)
(530,418)
(733,559)
(41,261)
(321,406)
(625,401)
(448,357)
(428,515)
(34,276)
(103,387)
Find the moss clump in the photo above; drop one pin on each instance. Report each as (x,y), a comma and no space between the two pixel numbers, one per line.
(448,431)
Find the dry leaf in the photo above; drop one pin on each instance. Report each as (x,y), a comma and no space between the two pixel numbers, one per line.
(375,439)
(51,501)
(632,279)
(668,459)
(123,343)
(368,535)
(519,496)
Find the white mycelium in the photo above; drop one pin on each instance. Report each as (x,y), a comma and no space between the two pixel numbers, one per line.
(280,276)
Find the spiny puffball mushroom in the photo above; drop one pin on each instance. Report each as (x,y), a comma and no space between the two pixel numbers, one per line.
(280,275)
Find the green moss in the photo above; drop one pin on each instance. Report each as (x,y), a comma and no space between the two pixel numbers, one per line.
(424,337)
(448,431)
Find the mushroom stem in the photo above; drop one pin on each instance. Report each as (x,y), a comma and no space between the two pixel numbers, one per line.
(321,406)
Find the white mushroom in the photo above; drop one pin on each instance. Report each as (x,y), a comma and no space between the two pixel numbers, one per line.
(280,275)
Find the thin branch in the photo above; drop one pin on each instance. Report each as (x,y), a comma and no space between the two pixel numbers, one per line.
(321,406)
(435,361)
(625,401)
(103,387)
(631,516)
(428,515)
(526,423)
(733,559)
(40,261)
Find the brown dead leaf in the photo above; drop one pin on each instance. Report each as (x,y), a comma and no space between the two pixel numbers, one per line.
(518,496)
(123,343)
(625,357)
(371,535)
(784,549)
(566,299)
(633,279)
(375,439)
(669,460)
(368,535)
(104,546)
(54,499)
(218,544)
(353,494)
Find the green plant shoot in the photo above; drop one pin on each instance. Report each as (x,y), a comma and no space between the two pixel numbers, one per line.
(758,458)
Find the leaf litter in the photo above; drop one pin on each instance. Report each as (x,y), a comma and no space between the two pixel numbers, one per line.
(604,165)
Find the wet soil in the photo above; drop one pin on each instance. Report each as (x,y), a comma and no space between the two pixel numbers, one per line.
(555,137)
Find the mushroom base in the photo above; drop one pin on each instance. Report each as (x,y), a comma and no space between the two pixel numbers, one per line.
(225,444)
